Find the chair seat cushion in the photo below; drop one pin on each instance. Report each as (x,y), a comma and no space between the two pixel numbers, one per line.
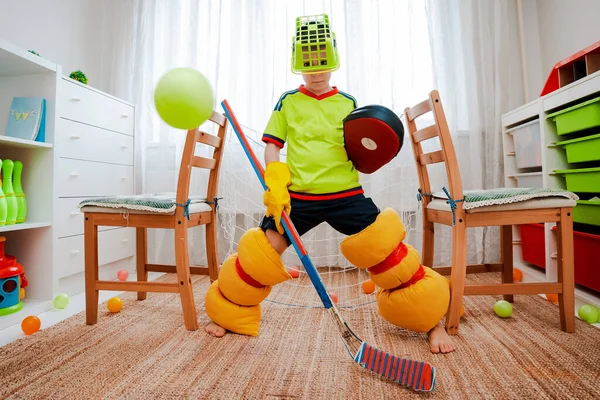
(552,202)
(160,203)
(507,199)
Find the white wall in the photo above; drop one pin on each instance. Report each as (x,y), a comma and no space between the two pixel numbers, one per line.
(67,32)
(552,31)
(566,27)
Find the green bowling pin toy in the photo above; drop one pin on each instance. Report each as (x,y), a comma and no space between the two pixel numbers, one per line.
(21,199)
(7,187)
(3,205)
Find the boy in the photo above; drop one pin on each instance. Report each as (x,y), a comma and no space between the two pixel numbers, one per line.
(318,183)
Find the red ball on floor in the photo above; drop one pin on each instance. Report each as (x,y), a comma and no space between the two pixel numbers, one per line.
(294,271)
(334,297)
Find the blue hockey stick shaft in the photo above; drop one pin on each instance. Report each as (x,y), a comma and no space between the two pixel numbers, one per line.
(287,223)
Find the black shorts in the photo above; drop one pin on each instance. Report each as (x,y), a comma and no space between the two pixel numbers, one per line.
(348,215)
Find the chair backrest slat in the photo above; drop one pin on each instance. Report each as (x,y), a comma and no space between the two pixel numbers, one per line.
(189,161)
(431,158)
(218,119)
(426,133)
(447,154)
(207,138)
(203,162)
(418,110)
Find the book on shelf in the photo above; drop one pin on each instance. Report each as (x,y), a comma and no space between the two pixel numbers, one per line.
(27,119)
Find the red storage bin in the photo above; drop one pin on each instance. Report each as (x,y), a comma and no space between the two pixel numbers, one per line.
(533,245)
(586,247)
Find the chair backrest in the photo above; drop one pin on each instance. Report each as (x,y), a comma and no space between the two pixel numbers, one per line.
(447,155)
(189,160)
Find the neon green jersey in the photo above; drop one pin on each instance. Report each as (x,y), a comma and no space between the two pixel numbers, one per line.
(312,127)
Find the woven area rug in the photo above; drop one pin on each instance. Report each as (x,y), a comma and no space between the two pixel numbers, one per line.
(144,352)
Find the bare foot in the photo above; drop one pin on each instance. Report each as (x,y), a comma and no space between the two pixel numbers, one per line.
(214,329)
(439,341)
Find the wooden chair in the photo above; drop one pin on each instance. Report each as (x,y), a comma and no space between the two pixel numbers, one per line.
(438,210)
(185,216)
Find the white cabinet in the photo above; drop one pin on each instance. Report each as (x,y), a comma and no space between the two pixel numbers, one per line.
(88,151)
(120,243)
(531,159)
(94,148)
(78,103)
(84,178)
(79,141)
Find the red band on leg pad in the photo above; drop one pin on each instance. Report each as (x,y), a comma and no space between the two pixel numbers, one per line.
(245,277)
(391,261)
(414,279)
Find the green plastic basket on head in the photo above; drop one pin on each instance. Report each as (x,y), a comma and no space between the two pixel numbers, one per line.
(314,48)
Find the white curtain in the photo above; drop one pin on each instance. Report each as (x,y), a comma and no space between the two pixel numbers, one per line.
(476,56)
(392,52)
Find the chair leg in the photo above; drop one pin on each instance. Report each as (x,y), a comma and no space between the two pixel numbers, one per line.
(182,266)
(566,274)
(90,237)
(428,242)
(141,243)
(507,257)
(211,250)
(457,275)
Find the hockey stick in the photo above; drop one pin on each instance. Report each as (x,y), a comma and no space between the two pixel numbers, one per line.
(417,375)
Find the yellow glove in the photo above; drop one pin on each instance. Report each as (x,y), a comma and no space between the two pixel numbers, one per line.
(277,198)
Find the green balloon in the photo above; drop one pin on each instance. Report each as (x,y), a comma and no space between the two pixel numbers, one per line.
(503,308)
(184,98)
(588,313)
(61,300)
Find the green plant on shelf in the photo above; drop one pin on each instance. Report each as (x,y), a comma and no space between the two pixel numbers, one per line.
(34,52)
(79,76)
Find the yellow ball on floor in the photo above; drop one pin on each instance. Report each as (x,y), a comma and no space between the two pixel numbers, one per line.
(114,304)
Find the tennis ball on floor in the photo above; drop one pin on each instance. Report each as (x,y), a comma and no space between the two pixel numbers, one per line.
(61,300)
(588,313)
(368,286)
(503,309)
(114,304)
(294,271)
(184,98)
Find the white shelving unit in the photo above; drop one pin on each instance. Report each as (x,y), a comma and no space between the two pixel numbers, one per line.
(88,151)
(551,158)
(25,74)
(7,141)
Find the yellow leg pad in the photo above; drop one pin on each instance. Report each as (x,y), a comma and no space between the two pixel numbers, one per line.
(373,244)
(402,272)
(235,288)
(260,260)
(244,320)
(418,307)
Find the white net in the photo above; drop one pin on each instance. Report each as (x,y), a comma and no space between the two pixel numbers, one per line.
(242,208)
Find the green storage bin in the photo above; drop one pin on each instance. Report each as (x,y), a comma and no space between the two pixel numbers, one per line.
(578,117)
(587,212)
(584,180)
(582,149)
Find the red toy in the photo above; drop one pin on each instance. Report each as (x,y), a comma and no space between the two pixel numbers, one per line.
(579,65)
(12,280)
